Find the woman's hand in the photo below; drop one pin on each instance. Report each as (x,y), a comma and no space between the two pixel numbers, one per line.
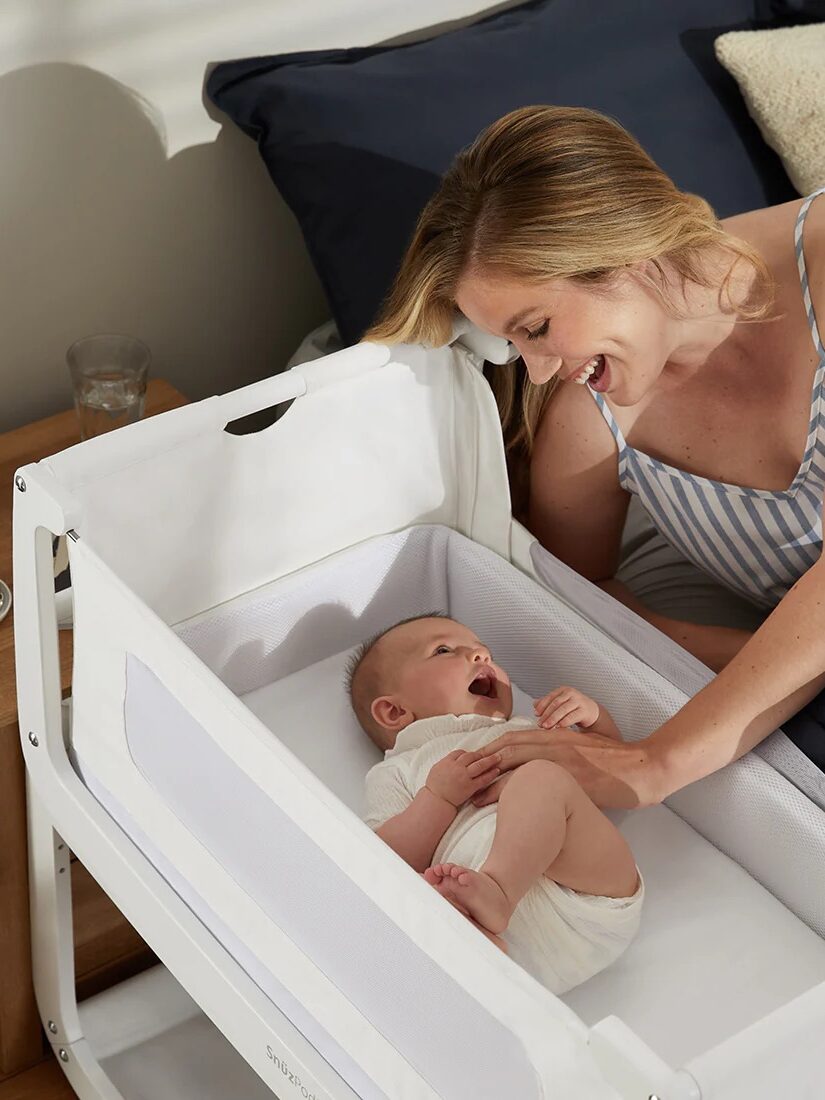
(613,773)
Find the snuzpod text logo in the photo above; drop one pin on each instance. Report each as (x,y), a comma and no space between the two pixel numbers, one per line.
(293,1078)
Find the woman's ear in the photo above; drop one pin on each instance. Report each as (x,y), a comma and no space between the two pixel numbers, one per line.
(390,714)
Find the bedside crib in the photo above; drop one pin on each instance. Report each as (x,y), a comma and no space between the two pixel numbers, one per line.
(208,771)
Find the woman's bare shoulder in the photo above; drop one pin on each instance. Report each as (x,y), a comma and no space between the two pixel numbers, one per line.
(572,434)
(767,224)
(771,231)
(577,506)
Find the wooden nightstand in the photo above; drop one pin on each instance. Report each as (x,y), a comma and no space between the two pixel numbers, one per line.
(107,948)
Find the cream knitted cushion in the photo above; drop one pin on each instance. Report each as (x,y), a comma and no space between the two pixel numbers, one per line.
(781,74)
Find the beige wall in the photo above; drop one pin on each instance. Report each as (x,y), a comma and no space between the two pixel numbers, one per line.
(125,207)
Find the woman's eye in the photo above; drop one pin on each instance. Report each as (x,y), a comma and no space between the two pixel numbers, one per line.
(534,334)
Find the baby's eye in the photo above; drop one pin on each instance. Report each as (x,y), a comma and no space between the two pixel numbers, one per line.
(534,334)
(441,649)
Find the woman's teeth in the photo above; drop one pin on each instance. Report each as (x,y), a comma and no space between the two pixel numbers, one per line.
(586,371)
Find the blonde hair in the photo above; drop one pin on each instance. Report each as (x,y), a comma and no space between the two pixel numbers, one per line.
(554,193)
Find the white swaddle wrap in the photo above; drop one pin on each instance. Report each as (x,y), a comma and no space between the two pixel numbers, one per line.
(558,935)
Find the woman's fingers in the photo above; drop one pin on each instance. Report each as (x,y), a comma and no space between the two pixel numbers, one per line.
(519,752)
(490,794)
(486,778)
(483,764)
(515,737)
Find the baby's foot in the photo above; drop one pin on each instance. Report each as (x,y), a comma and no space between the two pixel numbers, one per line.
(474,892)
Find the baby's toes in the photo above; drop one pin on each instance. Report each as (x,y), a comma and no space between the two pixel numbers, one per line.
(455,871)
(431,876)
(451,870)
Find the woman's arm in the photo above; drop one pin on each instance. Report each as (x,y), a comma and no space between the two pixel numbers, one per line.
(714,646)
(776,672)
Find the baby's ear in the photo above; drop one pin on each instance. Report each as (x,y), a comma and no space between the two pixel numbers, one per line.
(389,714)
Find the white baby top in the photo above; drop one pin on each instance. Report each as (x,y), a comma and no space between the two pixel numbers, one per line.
(393,784)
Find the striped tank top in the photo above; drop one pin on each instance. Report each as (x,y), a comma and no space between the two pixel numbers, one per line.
(757,542)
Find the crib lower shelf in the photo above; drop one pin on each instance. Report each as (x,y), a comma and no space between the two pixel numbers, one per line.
(152,1041)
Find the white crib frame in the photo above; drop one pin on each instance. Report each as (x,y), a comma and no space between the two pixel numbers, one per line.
(63,813)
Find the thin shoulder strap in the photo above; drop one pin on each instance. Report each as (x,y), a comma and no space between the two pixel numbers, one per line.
(803,273)
(611,421)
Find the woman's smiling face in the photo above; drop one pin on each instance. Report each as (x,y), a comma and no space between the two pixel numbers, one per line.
(619,337)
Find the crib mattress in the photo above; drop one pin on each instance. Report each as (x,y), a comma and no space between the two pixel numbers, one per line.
(716,950)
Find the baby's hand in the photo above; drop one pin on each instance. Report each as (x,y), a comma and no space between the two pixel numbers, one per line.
(459,775)
(566,706)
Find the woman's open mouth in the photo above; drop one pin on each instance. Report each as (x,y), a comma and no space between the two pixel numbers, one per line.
(594,373)
(485,683)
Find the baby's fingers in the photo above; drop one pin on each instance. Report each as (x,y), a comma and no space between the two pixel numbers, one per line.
(554,716)
(546,700)
(465,756)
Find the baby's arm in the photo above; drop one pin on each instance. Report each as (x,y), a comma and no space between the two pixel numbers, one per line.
(415,832)
(567,706)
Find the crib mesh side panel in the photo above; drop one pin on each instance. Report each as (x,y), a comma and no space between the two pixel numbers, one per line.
(324,609)
(450,1039)
(543,643)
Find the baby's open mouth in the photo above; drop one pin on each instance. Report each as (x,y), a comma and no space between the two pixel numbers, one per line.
(484,684)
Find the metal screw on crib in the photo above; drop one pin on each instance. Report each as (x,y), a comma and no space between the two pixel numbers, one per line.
(63,1054)
(52,1026)
(33,739)
(20,483)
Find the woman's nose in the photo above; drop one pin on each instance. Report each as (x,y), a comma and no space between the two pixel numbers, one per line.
(541,370)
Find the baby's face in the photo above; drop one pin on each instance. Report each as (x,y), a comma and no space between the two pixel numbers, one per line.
(438,666)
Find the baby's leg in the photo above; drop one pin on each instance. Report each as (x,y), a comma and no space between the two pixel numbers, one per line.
(543,812)
(547,825)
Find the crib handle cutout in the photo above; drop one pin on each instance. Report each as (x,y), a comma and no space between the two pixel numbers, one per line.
(261,399)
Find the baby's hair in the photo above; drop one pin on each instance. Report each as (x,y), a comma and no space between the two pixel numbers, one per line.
(361,702)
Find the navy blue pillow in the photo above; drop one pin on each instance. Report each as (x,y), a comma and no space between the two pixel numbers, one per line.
(356,140)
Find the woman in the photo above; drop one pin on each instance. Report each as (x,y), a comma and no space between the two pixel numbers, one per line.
(672,357)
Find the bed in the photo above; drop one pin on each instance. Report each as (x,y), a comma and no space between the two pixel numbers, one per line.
(209,772)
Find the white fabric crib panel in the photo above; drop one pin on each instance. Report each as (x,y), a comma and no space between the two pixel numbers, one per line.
(369,448)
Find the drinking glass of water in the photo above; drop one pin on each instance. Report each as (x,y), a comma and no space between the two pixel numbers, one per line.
(109,378)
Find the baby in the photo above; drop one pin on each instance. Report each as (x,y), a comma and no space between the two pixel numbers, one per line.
(543,873)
